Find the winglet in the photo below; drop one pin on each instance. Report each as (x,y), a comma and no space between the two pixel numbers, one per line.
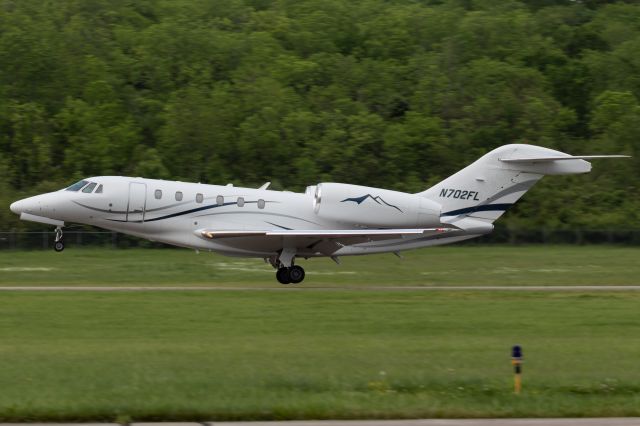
(265,185)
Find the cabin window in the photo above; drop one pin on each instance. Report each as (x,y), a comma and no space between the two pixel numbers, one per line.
(261,203)
(178,196)
(89,188)
(220,200)
(99,190)
(77,186)
(240,202)
(158,194)
(199,198)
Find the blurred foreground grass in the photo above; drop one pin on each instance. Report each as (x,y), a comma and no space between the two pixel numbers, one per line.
(462,265)
(70,356)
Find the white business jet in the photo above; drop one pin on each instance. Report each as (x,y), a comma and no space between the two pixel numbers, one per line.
(328,219)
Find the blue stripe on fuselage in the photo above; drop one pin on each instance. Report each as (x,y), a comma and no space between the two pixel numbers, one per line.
(191,211)
(482,208)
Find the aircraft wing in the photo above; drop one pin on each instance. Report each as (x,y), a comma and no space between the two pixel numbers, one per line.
(325,241)
(372,234)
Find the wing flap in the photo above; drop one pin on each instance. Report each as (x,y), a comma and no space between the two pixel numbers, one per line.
(211,234)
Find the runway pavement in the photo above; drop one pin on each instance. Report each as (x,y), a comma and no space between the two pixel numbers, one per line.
(461,422)
(311,288)
(631,421)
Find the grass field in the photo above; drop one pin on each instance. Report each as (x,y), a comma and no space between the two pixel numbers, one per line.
(347,354)
(201,355)
(465,265)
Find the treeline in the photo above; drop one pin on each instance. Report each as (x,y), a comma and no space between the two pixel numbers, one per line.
(396,94)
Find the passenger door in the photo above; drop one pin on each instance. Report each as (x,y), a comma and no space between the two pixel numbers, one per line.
(137,202)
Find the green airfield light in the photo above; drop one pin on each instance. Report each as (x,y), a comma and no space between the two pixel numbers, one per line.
(516,361)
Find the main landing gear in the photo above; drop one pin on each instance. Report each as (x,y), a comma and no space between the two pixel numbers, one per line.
(58,244)
(287,272)
(290,275)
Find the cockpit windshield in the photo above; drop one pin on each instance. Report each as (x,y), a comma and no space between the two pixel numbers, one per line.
(89,188)
(77,186)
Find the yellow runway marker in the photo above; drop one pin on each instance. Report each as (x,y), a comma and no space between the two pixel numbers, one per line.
(516,361)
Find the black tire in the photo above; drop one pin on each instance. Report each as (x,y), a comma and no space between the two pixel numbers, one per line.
(283,276)
(296,274)
(58,246)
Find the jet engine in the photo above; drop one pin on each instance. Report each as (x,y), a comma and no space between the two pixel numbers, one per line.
(363,205)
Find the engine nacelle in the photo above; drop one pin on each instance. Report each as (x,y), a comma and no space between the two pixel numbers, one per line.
(363,205)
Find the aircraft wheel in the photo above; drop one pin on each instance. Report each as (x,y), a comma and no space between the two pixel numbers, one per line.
(296,274)
(283,276)
(58,246)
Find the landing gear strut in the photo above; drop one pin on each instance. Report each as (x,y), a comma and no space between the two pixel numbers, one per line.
(58,244)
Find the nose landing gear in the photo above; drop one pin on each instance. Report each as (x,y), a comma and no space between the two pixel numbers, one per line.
(58,244)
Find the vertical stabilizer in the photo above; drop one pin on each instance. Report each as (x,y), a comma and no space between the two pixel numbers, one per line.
(487,188)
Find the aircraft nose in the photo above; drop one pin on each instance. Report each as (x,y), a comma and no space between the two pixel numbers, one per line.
(17,207)
(28,205)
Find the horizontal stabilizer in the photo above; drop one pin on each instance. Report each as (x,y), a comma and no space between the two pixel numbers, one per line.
(469,225)
(321,233)
(559,158)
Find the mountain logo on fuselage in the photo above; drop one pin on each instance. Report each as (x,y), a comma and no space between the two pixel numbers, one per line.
(377,199)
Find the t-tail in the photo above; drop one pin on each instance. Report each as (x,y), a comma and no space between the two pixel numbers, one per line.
(473,198)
